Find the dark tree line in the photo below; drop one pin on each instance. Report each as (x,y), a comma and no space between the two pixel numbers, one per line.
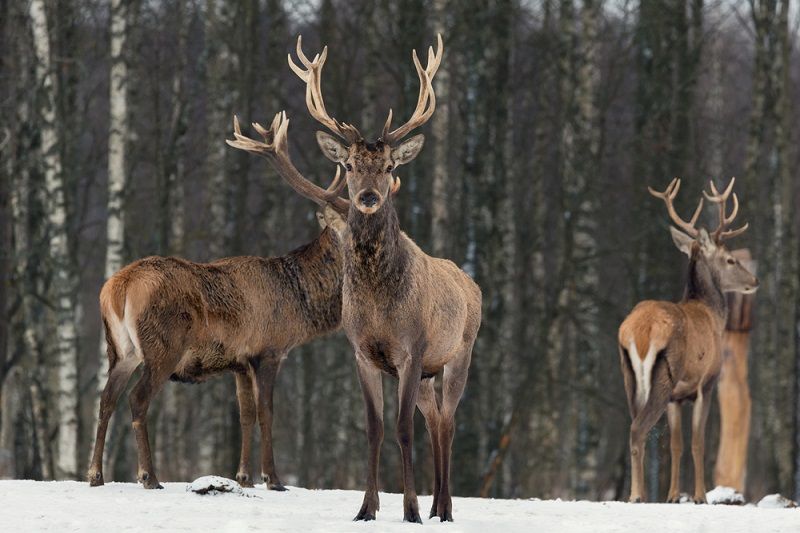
(552,119)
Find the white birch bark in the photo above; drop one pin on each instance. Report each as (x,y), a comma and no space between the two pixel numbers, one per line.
(117,171)
(62,284)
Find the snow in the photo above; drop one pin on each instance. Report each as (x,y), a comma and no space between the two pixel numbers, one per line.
(215,485)
(776,501)
(724,496)
(74,506)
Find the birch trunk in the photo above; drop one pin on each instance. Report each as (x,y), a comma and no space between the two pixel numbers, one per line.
(63,282)
(118,132)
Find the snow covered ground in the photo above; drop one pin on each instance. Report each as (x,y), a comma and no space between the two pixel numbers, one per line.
(73,506)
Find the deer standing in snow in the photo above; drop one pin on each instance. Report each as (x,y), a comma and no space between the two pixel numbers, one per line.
(671,352)
(188,321)
(405,313)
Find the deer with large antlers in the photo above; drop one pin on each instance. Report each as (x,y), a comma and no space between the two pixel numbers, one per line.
(405,313)
(670,353)
(189,321)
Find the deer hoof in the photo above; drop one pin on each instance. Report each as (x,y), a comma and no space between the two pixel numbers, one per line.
(674,499)
(244,480)
(96,479)
(699,500)
(150,482)
(276,487)
(411,512)
(368,508)
(365,516)
(637,499)
(445,511)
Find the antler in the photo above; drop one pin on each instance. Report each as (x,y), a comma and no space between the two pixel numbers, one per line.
(275,147)
(722,233)
(312,76)
(668,196)
(426,102)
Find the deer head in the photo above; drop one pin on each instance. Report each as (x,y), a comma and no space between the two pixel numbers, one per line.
(709,248)
(369,165)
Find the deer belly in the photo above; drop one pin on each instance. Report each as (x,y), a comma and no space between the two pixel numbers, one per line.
(200,363)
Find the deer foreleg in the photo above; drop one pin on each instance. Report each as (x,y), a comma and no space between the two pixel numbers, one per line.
(265,373)
(247,419)
(372,388)
(410,375)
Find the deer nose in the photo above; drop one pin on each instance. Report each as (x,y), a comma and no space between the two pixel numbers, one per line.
(368,198)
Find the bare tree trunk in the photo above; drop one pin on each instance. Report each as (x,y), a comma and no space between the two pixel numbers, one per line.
(118,137)
(221,94)
(441,139)
(63,280)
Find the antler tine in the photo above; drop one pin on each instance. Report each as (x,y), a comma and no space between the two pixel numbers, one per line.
(426,101)
(275,147)
(721,199)
(312,76)
(668,196)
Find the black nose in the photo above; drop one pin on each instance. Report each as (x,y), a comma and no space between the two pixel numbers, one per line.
(368,199)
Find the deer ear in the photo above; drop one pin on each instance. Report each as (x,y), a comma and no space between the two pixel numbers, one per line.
(682,241)
(407,151)
(707,244)
(331,147)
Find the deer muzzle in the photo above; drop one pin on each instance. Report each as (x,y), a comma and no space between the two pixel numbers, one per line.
(368,201)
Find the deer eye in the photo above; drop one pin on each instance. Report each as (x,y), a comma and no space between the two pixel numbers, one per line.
(349,167)
(731,261)
(389,168)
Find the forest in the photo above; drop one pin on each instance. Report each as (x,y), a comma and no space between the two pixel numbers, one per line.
(552,119)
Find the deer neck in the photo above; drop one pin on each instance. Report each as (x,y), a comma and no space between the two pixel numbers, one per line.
(376,257)
(704,285)
(315,270)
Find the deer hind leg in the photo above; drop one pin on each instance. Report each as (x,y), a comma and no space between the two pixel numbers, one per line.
(410,376)
(265,373)
(676,450)
(453,382)
(702,405)
(644,421)
(372,388)
(118,378)
(149,384)
(430,410)
(247,419)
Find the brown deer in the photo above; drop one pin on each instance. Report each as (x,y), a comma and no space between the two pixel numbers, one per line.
(671,352)
(188,321)
(405,313)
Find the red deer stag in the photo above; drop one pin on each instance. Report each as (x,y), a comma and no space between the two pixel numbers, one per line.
(188,321)
(405,313)
(671,352)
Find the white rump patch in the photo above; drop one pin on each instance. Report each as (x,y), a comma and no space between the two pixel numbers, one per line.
(643,370)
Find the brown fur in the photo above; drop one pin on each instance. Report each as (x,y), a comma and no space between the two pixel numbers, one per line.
(406,314)
(189,321)
(686,339)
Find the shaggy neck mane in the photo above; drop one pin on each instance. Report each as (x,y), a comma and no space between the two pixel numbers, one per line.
(376,258)
(703,286)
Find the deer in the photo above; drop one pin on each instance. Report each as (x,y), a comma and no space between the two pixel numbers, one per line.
(405,313)
(188,321)
(671,353)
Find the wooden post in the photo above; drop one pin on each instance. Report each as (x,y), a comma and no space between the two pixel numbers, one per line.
(733,389)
